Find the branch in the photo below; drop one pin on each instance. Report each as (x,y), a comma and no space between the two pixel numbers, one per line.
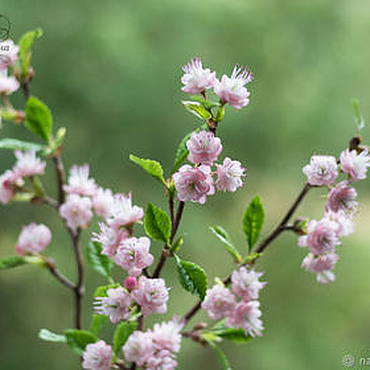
(59,168)
(50,264)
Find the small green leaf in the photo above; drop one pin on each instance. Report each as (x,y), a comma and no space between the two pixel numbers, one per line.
(101,291)
(357,117)
(192,277)
(15,144)
(208,104)
(157,224)
(175,247)
(221,356)
(38,118)
(122,333)
(220,113)
(12,261)
(25,43)
(235,335)
(224,238)
(98,323)
(153,168)
(49,336)
(98,261)
(79,339)
(253,221)
(197,109)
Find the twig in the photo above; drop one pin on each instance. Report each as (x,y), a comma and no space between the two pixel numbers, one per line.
(58,275)
(59,168)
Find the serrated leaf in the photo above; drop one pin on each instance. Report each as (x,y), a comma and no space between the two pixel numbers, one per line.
(38,118)
(49,336)
(192,277)
(25,43)
(98,323)
(98,261)
(253,221)
(79,339)
(101,291)
(15,144)
(11,262)
(224,238)
(122,333)
(152,167)
(197,109)
(157,224)
(221,356)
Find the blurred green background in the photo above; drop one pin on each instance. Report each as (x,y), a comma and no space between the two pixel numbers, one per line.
(110,71)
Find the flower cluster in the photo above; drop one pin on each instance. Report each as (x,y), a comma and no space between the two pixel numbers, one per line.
(8,57)
(97,356)
(323,236)
(221,302)
(33,239)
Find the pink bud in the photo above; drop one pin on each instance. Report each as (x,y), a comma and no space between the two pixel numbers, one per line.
(130,283)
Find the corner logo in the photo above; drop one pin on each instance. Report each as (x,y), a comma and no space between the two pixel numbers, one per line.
(5,27)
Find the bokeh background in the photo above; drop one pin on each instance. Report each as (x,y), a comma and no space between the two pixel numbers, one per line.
(110,71)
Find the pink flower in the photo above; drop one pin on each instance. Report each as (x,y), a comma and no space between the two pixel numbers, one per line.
(103,202)
(109,238)
(8,54)
(193,184)
(246,316)
(28,164)
(322,266)
(162,360)
(166,336)
(204,148)
(342,198)
(8,85)
(229,175)
(133,255)
(245,284)
(116,305)
(7,186)
(33,239)
(219,302)
(345,225)
(76,211)
(97,356)
(130,283)
(151,295)
(196,79)
(138,348)
(322,170)
(231,89)
(79,182)
(354,164)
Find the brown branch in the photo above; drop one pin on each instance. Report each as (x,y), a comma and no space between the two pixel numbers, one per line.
(50,264)
(59,169)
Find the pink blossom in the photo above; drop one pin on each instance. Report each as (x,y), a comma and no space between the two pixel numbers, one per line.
(342,198)
(33,239)
(8,85)
(322,170)
(97,356)
(196,79)
(354,164)
(162,360)
(139,347)
(204,148)
(103,202)
(193,184)
(219,302)
(7,186)
(76,211)
(231,89)
(116,305)
(8,53)
(151,295)
(130,283)
(229,175)
(345,224)
(245,284)
(322,266)
(79,182)
(28,164)
(166,336)
(109,238)
(246,316)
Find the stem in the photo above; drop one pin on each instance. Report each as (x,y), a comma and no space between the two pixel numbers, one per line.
(58,275)
(59,168)
(26,90)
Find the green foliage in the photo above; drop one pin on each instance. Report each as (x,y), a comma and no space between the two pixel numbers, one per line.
(98,323)
(207,104)
(49,336)
(253,221)
(357,117)
(152,167)
(222,331)
(15,144)
(98,261)
(221,356)
(223,236)
(122,333)
(79,339)
(12,261)
(25,43)
(197,109)
(192,277)
(101,291)
(157,224)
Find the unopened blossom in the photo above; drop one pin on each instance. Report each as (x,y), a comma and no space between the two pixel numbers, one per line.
(231,90)
(8,53)
(342,198)
(151,295)
(355,164)
(77,211)
(245,284)
(344,221)
(103,202)
(322,266)
(97,356)
(33,239)
(79,182)
(204,147)
(110,238)
(138,348)
(196,79)
(322,170)
(133,255)
(193,184)
(130,283)
(219,302)
(161,360)
(229,175)
(8,84)
(7,186)
(166,336)
(115,305)
(28,164)
(246,316)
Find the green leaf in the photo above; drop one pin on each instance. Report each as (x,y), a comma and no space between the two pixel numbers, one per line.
(98,323)
(12,261)
(25,43)
(153,168)
(98,261)
(101,291)
(192,277)
(122,333)
(224,238)
(253,221)
(357,117)
(197,109)
(208,104)
(157,224)
(38,118)
(236,335)
(221,356)
(15,144)
(79,339)
(49,336)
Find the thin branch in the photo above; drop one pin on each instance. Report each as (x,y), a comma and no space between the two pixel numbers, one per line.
(59,168)
(58,275)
